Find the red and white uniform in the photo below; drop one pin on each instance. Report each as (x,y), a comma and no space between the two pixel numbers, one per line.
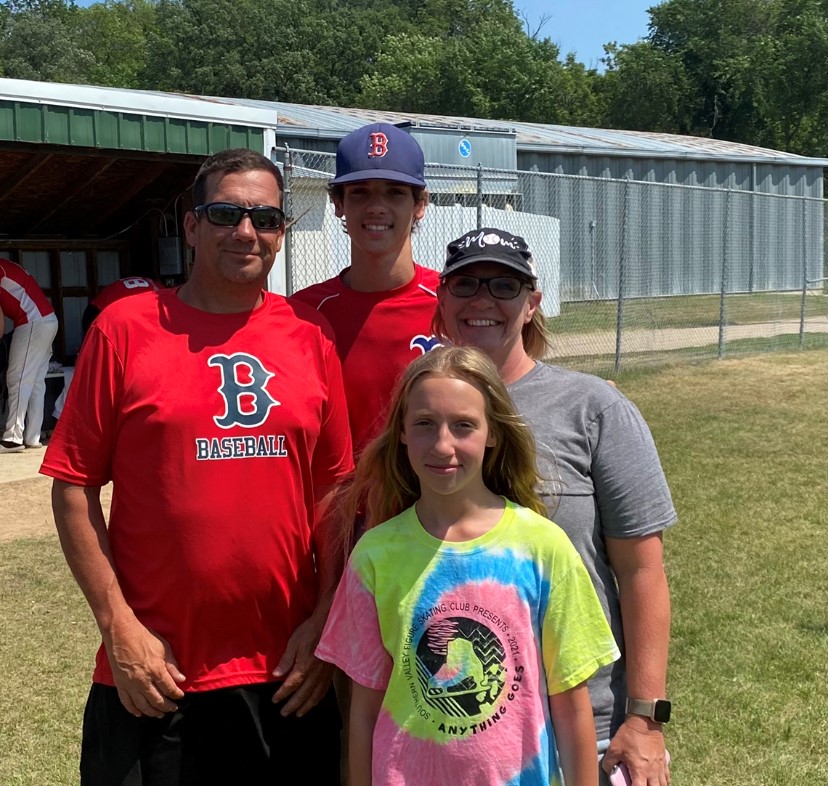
(377,335)
(123,287)
(21,299)
(217,431)
(35,328)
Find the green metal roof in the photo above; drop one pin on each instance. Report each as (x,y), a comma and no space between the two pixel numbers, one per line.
(114,130)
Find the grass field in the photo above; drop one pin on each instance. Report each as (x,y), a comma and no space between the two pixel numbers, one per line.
(686,311)
(744,445)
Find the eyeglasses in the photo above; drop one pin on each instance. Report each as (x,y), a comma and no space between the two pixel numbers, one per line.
(500,287)
(226,214)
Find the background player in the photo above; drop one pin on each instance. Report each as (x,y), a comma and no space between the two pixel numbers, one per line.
(35,328)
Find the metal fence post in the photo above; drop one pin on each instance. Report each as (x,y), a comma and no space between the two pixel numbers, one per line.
(480,196)
(619,320)
(722,301)
(288,205)
(804,274)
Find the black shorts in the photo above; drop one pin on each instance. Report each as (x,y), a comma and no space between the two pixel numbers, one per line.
(232,736)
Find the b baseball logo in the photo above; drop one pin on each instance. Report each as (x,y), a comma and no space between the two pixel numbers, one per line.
(243,380)
(379,145)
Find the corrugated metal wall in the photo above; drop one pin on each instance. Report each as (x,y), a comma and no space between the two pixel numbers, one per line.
(654,238)
(110,130)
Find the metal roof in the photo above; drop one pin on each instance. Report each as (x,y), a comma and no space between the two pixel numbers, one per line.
(334,122)
(144,102)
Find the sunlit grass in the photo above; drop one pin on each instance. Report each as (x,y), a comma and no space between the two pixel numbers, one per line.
(744,445)
(686,311)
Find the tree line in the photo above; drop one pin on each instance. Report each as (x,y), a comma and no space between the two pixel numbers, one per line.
(750,71)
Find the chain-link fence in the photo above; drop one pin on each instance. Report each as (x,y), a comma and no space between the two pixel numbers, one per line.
(632,272)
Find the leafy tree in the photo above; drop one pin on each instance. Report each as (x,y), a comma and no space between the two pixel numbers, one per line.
(794,69)
(40,41)
(297,50)
(646,89)
(115,33)
(457,66)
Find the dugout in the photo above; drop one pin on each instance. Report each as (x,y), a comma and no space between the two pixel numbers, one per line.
(94,184)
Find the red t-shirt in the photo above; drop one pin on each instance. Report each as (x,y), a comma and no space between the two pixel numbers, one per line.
(123,287)
(377,335)
(21,299)
(216,430)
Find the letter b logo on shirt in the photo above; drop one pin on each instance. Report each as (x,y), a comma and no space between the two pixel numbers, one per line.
(243,380)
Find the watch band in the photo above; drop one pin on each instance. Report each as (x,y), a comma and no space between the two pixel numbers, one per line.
(657,710)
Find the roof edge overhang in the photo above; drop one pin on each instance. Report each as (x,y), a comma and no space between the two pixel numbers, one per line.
(179,106)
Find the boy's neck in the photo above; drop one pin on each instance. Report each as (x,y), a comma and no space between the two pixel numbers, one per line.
(459,520)
(380,273)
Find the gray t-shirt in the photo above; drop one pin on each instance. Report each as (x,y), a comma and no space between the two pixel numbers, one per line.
(596,452)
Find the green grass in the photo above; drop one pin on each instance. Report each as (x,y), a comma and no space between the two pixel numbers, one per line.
(46,657)
(744,445)
(633,362)
(686,311)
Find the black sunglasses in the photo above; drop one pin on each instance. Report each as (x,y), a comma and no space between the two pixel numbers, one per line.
(500,287)
(226,214)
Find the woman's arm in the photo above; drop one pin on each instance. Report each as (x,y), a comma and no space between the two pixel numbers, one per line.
(645,611)
(571,713)
(365,707)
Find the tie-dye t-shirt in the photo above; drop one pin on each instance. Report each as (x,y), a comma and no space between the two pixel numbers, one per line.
(466,640)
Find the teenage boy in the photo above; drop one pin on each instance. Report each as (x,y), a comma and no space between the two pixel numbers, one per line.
(381,306)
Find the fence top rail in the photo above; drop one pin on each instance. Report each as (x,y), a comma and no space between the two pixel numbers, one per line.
(473,172)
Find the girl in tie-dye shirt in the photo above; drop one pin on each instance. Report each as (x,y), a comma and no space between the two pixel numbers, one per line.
(466,620)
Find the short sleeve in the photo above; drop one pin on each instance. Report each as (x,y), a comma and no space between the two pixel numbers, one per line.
(351,639)
(630,488)
(80,449)
(576,638)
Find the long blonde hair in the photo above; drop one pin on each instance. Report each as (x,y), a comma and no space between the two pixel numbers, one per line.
(384,484)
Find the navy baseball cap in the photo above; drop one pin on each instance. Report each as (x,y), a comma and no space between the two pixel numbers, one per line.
(490,245)
(380,151)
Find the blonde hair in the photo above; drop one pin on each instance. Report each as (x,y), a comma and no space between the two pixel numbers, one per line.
(535,333)
(384,484)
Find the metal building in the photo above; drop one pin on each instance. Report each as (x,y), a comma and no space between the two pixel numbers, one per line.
(95,181)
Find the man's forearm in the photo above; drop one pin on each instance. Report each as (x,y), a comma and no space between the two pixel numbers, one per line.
(84,539)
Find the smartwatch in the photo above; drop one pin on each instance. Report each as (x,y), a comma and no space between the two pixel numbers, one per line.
(657,710)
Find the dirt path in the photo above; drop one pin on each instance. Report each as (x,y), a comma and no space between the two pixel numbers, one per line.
(25,497)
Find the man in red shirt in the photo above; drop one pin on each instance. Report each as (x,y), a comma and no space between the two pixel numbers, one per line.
(217,411)
(381,306)
(35,328)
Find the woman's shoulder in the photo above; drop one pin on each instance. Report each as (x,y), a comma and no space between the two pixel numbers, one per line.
(556,386)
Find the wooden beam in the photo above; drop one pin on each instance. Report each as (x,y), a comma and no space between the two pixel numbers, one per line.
(24,172)
(101,166)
